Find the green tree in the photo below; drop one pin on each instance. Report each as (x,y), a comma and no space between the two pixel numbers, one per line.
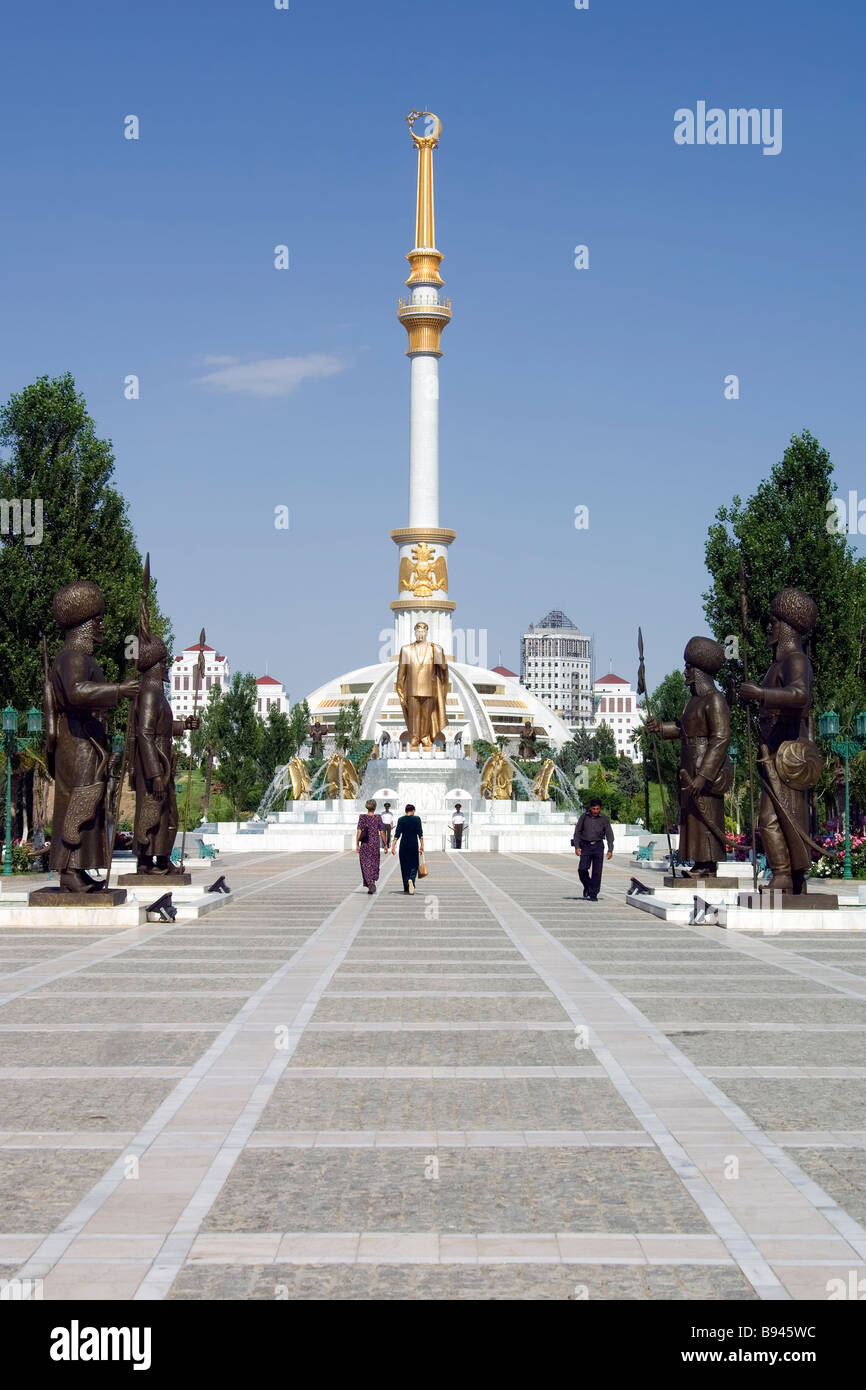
(667,703)
(55,456)
(603,743)
(583,746)
(239,748)
(787,537)
(276,743)
(347,726)
(299,724)
(598,787)
(629,779)
(207,738)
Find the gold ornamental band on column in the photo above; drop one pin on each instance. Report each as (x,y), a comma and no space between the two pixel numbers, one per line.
(414,605)
(425,268)
(424,323)
(433,535)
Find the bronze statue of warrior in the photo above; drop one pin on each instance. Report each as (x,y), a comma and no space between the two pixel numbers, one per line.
(317,733)
(528,740)
(76,693)
(790,763)
(154,763)
(704,731)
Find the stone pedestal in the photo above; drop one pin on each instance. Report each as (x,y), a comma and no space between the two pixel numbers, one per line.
(160,883)
(100,900)
(777,901)
(697,881)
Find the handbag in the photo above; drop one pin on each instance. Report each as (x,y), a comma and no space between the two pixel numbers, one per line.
(422,865)
(365,835)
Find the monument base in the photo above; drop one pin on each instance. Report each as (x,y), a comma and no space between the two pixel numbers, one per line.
(160,883)
(697,881)
(777,900)
(53,897)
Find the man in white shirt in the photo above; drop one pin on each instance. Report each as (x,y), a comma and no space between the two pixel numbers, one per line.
(388,823)
(457,823)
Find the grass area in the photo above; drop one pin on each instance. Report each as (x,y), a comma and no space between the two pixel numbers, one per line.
(219,808)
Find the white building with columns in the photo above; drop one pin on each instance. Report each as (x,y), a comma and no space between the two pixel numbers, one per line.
(184,678)
(616,705)
(271,694)
(480,703)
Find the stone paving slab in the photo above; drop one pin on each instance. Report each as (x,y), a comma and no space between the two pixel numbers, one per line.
(38,1189)
(442,1104)
(790,1048)
(506,1047)
(92,1104)
(106,1048)
(464,1282)
(454,1008)
(842,1173)
(477,1190)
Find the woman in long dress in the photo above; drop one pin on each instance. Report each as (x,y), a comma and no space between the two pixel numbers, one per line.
(368,845)
(409,834)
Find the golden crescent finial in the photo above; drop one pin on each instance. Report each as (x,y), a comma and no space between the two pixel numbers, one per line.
(432,134)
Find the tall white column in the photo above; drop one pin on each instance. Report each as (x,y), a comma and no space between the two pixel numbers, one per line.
(424,442)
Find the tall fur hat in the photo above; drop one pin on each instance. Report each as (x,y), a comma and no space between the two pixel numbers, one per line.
(705,653)
(795,608)
(76,603)
(151,652)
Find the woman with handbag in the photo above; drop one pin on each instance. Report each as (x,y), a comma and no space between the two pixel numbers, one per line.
(368,837)
(409,834)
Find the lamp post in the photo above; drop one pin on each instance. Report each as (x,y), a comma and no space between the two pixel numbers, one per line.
(12,744)
(733,754)
(847,748)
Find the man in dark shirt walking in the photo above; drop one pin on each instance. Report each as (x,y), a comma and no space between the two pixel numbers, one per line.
(590,833)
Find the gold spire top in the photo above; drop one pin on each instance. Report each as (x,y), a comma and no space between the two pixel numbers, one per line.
(425,229)
(424,258)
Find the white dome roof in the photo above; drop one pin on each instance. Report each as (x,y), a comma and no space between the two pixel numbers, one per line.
(480,704)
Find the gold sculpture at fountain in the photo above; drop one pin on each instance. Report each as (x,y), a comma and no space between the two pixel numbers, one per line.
(497,776)
(300,779)
(342,769)
(540,790)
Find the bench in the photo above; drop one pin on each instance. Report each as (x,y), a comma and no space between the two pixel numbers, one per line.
(645,852)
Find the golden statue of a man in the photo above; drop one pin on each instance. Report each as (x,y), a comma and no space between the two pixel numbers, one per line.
(422,684)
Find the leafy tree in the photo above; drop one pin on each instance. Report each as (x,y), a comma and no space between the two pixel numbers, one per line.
(239,748)
(207,738)
(579,751)
(55,456)
(299,724)
(598,787)
(603,743)
(787,537)
(667,703)
(276,743)
(347,726)
(629,781)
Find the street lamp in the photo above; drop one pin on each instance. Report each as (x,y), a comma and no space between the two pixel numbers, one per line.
(733,754)
(12,744)
(847,748)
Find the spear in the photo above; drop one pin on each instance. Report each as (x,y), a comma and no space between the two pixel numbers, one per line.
(128,742)
(642,690)
(744,629)
(198,684)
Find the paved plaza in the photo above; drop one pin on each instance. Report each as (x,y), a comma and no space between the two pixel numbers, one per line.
(492,1090)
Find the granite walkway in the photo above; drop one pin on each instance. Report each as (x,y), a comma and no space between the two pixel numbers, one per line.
(492,1090)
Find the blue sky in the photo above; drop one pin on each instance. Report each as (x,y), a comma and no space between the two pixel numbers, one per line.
(559,387)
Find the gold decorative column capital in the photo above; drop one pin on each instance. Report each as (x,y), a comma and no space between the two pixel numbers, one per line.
(425,227)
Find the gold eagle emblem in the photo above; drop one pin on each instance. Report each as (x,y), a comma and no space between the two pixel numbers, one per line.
(424,572)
